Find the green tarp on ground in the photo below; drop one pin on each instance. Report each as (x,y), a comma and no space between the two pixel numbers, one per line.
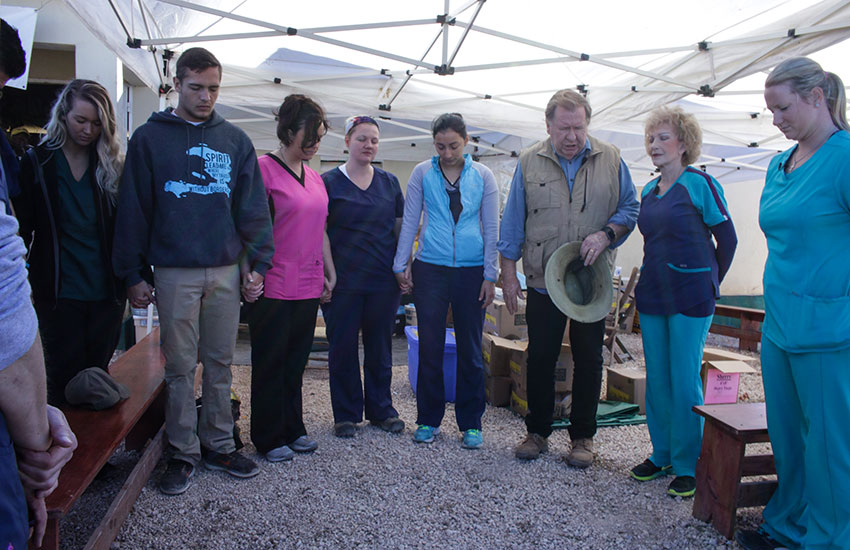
(610,413)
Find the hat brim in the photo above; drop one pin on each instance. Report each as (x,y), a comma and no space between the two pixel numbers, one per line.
(556,285)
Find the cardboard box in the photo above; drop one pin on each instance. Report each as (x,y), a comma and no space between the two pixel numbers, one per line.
(496,352)
(720,380)
(498,321)
(716,354)
(497,389)
(518,364)
(519,402)
(564,370)
(628,386)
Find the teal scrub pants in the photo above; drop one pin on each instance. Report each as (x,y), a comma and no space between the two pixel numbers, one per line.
(808,409)
(672,346)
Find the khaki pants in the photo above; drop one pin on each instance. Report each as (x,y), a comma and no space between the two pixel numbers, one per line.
(198,311)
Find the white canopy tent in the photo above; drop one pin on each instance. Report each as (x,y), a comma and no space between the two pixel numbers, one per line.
(498,63)
(427,57)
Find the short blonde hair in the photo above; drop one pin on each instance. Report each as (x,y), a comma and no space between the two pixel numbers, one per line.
(684,124)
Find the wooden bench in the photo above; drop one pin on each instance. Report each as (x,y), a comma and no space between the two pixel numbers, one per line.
(749,331)
(133,421)
(722,463)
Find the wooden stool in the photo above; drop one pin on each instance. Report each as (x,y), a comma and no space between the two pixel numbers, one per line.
(722,463)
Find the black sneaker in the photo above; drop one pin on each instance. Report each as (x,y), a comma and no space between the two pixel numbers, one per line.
(682,486)
(646,471)
(345,429)
(176,478)
(751,539)
(393,425)
(234,464)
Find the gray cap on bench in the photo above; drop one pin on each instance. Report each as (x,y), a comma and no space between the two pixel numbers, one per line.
(95,389)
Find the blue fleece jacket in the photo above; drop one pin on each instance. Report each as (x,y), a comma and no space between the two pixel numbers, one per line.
(191,196)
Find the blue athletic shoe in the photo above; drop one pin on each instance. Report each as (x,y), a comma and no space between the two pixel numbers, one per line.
(425,434)
(472,439)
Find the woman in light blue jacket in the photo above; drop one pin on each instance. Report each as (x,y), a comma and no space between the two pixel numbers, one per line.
(455,264)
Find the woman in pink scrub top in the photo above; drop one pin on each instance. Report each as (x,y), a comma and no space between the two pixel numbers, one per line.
(283,319)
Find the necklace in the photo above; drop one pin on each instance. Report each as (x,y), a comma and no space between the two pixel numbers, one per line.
(799,160)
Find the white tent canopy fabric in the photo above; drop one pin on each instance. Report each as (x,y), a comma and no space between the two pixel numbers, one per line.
(498,63)
(413,64)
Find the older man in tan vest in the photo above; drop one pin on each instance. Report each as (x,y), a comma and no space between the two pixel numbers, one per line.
(569,187)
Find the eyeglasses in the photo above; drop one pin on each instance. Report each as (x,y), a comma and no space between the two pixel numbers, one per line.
(354,121)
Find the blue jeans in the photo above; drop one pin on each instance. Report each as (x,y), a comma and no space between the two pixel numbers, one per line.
(347,315)
(434,288)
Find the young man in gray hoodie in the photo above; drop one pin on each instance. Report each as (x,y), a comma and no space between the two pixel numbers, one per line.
(193,205)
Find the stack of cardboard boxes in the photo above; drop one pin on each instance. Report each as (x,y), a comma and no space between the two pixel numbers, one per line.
(721,371)
(505,351)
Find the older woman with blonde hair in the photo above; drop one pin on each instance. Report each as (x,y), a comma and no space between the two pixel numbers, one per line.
(681,210)
(66,209)
(805,347)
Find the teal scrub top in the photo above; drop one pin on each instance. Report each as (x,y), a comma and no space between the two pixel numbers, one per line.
(805,216)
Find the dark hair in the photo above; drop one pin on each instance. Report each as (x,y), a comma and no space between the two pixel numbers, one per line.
(449,121)
(299,111)
(13,58)
(196,60)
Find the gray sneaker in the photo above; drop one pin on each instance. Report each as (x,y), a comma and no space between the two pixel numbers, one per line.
(280,454)
(304,444)
(233,463)
(177,477)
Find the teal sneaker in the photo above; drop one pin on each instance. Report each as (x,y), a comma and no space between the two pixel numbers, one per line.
(472,439)
(425,434)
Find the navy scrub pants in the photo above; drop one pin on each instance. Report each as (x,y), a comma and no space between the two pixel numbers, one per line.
(347,314)
(546,324)
(434,288)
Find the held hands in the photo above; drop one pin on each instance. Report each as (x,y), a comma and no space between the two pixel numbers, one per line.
(252,286)
(141,295)
(39,470)
(405,280)
(488,292)
(327,289)
(593,246)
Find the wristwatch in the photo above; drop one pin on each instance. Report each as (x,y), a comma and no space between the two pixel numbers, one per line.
(609,233)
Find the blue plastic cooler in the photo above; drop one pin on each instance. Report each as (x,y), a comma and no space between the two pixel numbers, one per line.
(449,361)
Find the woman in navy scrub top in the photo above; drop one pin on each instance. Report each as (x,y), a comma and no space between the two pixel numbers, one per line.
(364,214)
(805,347)
(680,211)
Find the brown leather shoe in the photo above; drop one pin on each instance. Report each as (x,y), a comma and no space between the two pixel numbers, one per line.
(581,454)
(531,447)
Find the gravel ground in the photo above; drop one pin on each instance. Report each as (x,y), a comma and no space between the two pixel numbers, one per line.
(383,491)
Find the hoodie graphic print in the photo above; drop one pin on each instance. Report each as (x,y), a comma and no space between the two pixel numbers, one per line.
(212,176)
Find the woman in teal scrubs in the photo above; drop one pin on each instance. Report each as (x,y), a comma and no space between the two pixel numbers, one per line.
(805,354)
